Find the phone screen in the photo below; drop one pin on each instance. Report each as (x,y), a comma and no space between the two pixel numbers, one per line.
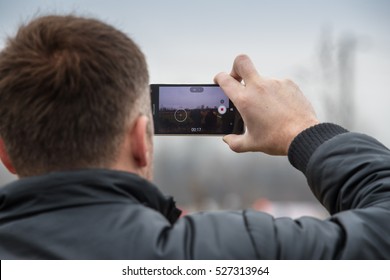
(193,109)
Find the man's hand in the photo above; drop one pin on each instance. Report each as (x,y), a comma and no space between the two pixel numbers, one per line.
(274,111)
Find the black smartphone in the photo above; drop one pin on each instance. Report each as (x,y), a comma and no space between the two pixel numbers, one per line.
(191,109)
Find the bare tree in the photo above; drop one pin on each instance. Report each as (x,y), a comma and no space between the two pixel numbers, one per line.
(337,68)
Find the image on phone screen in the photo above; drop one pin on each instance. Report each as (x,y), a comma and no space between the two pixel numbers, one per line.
(193,109)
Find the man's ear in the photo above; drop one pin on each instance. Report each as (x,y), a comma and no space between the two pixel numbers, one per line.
(139,141)
(5,158)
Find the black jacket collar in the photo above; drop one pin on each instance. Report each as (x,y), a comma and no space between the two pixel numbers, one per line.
(76,188)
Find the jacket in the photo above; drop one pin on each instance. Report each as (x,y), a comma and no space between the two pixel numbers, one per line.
(106,214)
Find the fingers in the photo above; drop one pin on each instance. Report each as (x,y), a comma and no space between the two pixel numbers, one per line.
(229,85)
(235,142)
(243,69)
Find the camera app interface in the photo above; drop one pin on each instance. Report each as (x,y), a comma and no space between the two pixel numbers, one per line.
(195,110)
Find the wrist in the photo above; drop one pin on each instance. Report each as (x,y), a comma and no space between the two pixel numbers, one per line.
(306,142)
(297,130)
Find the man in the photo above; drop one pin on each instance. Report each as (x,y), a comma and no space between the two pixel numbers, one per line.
(76,127)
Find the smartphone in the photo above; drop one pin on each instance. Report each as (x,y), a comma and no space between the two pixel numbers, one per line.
(193,109)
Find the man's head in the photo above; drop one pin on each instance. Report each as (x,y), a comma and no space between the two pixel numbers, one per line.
(73,94)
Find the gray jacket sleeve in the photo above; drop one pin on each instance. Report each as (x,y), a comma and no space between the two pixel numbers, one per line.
(349,173)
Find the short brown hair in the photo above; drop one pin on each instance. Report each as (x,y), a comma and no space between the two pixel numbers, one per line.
(67,88)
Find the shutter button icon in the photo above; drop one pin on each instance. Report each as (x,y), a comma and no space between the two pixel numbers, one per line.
(222,109)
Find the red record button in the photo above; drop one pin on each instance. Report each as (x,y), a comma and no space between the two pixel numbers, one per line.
(222,109)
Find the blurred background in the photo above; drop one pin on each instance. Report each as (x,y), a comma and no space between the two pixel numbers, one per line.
(337,51)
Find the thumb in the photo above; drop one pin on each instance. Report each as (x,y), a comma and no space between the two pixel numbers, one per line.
(235,142)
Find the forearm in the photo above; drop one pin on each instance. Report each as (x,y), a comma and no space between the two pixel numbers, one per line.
(346,172)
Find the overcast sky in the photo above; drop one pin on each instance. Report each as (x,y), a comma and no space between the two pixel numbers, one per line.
(191,41)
